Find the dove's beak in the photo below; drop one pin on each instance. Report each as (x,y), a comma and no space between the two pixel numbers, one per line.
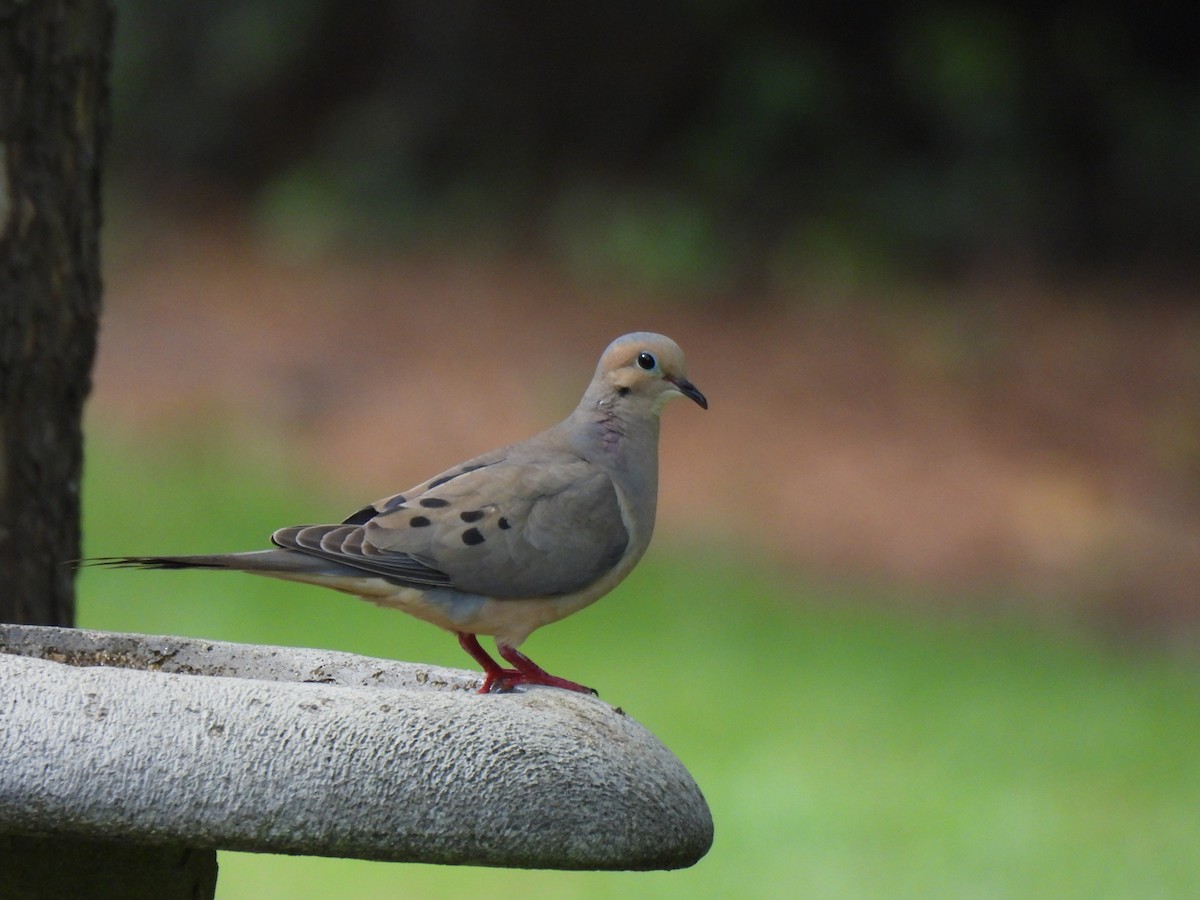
(690,391)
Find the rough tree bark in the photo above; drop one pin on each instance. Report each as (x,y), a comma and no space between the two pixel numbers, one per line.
(54,62)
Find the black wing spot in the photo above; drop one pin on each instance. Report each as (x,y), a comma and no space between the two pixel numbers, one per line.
(418,522)
(504,524)
(472,515)
(393,504)
(472,536)
(362,517)
(438,482)
(433,502)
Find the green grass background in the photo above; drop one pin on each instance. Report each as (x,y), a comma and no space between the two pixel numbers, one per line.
(847,748)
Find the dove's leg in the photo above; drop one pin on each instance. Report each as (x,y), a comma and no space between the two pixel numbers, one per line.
(526,671)
(529,672)
(494,675)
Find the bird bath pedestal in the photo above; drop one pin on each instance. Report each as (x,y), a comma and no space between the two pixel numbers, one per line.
(126,761)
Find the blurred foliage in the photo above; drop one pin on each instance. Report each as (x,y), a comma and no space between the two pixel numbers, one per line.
(709,139)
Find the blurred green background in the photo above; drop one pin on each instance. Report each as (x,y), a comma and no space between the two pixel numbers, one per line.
(921,612)
(846,749)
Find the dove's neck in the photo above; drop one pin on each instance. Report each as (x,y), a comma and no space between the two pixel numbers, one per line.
(623,440)
(614,437)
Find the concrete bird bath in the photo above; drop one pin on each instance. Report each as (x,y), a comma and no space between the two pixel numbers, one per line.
(169,748)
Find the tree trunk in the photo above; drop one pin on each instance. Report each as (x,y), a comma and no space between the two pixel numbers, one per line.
(54,61)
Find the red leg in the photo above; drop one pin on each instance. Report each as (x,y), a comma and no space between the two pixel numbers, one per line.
(531,673)
(494,675)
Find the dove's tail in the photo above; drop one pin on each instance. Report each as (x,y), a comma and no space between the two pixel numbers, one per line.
(289,565)
(264,562)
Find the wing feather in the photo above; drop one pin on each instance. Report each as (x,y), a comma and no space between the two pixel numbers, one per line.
(501,529)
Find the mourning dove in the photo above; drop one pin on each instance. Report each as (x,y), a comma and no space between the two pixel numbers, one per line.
(508,541)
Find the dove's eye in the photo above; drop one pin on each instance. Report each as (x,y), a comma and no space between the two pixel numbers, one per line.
(646,361)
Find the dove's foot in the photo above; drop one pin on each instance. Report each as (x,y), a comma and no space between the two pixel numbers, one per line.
(501,680)
(529,672)
(507,679)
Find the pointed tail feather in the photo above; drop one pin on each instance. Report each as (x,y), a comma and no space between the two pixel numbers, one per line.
(290,565)
(283,562)
(154,562)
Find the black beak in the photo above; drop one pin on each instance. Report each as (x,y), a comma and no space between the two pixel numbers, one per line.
(690,390)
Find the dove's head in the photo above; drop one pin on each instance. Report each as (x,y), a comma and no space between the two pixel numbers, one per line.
(643,368)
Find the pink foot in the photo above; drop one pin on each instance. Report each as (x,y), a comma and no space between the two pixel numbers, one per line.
(531,673)
(501,680)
